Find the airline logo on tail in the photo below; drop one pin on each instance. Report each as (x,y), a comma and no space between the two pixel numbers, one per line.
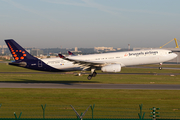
(15,53)
(19,53)
(70,53)
(61,56)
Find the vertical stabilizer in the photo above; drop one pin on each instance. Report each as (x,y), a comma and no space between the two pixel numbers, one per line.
(70,53)
(19,53)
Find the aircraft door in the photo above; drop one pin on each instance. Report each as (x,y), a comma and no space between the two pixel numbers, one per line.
(39,63)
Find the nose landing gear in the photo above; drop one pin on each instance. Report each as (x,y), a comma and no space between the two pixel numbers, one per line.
(160,68)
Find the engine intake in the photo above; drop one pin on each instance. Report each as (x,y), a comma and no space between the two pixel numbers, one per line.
(111,68)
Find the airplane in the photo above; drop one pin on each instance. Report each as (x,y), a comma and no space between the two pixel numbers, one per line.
(106,62)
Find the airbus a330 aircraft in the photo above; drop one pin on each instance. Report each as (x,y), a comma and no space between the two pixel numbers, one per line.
(106,62)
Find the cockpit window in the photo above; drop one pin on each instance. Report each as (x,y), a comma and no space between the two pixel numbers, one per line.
(170,52)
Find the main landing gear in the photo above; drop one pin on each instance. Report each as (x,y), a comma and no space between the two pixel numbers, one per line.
(160,68)
(93,74)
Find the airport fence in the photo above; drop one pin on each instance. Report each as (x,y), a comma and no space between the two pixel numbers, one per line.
(87,112)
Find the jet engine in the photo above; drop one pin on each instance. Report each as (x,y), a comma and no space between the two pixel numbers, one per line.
(111,68)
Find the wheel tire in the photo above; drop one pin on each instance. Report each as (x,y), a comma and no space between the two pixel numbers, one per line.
(160,68)
(89,77)
(94,74)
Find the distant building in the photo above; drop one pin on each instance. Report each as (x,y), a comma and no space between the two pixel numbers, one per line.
(6,57)
(36,52)
(104,49)
(3,47)
(118,48)
(75,50)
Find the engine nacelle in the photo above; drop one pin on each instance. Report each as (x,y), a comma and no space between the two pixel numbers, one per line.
(111,68)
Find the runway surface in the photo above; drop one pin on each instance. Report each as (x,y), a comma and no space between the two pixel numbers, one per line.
(88,73)
(90,86)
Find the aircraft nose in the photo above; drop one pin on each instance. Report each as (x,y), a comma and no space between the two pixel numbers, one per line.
(174,55)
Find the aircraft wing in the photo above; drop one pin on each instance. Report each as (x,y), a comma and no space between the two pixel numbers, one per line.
(84,62)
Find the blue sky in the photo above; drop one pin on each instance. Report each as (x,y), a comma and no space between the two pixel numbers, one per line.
(90,23)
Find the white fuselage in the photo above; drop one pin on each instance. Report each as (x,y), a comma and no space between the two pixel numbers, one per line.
(127,58)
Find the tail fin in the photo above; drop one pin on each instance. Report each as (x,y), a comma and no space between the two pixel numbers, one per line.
(70,53)
(19,53)
(61,56)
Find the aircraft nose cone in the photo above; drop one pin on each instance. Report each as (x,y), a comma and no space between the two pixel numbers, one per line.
(175,55)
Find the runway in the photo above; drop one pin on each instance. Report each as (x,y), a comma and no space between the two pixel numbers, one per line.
(88,73)
(90,86)
(87,85)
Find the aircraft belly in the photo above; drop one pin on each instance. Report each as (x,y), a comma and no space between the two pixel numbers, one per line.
(164,58)
(66,67)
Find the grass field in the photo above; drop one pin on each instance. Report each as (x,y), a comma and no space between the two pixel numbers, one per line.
(16,100)
(29,100)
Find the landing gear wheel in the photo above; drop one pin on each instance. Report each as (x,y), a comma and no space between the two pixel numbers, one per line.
(94,74)
(160,68)
(89,77)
